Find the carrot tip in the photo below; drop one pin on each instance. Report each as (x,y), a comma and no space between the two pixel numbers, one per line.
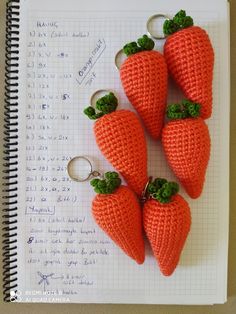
(140,261)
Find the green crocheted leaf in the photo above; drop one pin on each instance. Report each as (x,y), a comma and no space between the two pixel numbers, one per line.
(131,48)
(176,111)
(179,17)
(188,21)
(107,103)
(169,27)
(162,190)
(94,182)
(192,109)
(143,44)
(151,188)
(179,21)
(146,43)
(187,109)
(91,113)
(154,186)
(104,105)
(110,175)
(107,185)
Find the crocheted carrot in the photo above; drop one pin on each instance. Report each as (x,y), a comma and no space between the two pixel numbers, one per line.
(167,221)
(118,213)
(190,60)
(144,79)
(120,137)
(186,143)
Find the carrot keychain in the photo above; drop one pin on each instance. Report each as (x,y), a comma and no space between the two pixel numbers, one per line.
(120,137)
(144,78)
(115,209)
(186,143)
(167,221)
(190,59)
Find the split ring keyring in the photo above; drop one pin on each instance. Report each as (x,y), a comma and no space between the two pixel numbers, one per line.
(92,173)
(144,192)
(153,17)
(116,58)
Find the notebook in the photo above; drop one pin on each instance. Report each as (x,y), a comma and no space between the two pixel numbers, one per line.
(58,54)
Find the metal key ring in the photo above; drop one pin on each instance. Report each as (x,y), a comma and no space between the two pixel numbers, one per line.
(92,173)
(144,192)
(99,92)
(116,58)
(153,17)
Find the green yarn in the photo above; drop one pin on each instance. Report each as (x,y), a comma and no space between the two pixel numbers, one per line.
(104,105)
(107,185)
(187,109)
(91,113)
(193,109)
(182,20)
(131,48)
(162,190)
(179,21)
(169,27)
(156,185)
(107,103)
(143,44)
(146,43)
(175,111)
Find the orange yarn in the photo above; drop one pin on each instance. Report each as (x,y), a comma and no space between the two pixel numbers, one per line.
(144,79)
(119,215)
(186,145)
(120,137)
(167,227)
(190,59)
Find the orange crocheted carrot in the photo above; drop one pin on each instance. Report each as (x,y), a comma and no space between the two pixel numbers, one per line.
(167,221)
(186,143)
(118,213)
(190,60)
(144,79)
(120,137)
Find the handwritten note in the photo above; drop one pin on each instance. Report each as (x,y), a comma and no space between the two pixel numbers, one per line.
(70,244)
(71,239)
(94,57)
(47,108)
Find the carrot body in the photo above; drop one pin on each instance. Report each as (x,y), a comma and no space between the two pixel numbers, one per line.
(186,145)
(144,79)
(190,59)
(120,137)
(167,227)
(119,216)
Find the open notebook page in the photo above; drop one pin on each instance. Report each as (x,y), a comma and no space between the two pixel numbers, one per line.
(67,52)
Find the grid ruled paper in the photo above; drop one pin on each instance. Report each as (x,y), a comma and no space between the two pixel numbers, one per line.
(64,256)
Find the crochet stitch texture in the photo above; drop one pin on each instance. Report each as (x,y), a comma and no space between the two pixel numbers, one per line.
(186,145)
(121,139)
(144,79)
(167,227)
(119,216)
(190,58)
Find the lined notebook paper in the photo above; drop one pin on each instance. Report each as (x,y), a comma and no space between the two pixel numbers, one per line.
(67,52)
